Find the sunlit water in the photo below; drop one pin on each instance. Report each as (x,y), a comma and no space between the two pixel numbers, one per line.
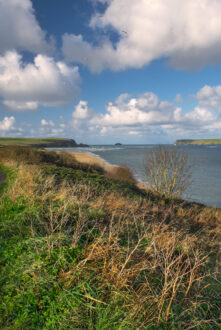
(206,187)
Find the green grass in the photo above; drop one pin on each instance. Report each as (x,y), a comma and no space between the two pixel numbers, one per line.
(81,251)
(203,141)
(29,141)
(208,141)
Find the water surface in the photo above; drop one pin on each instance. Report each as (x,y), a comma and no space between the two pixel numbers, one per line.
(206,187)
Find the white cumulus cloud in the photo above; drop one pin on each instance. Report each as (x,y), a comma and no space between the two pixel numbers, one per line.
(8,127)
(50,128)
(135,118)
(82,111)
(131,119)
(44,122)
(7,123)
(44,82)
(19,28)
(187,33)
(148,115)
(210,97)
(126,111)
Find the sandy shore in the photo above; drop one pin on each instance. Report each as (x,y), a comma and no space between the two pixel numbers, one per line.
(87,158)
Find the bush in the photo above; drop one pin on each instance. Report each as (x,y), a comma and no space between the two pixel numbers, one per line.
(122,173)
(168,171)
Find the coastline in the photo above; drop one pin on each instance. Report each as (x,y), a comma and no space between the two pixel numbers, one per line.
(194,194)
(93,159)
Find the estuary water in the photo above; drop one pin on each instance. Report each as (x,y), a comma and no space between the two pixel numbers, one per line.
(206,186)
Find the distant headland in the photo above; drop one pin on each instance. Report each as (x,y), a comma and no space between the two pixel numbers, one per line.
(198,142)
(41,142)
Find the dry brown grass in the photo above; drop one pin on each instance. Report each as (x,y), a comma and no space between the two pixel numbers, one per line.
(27,155)
(122,173)
(153,255)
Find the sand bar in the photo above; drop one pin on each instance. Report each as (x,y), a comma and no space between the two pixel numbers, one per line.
(86,158)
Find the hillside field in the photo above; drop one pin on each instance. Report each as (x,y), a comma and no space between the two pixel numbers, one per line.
(199,142)
(40,142)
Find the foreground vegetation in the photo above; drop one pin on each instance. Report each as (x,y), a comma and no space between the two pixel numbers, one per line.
(80,250)
(203,141)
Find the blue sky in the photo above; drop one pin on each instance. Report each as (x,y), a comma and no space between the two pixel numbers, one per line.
(101,71)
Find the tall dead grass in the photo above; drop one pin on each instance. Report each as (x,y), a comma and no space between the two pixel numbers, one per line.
(122,173)
(154,257)
(27,155)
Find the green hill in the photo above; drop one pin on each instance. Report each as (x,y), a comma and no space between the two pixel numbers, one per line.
(201,142)
(40,142)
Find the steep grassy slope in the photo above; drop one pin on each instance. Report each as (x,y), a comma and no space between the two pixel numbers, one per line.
(82,251)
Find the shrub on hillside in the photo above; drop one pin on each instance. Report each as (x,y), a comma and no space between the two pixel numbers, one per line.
(122,173)
(168,171)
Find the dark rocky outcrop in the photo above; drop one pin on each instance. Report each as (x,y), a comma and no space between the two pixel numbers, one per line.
(82,145)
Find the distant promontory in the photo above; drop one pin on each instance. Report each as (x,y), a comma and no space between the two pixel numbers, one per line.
(41,142)
(198,142)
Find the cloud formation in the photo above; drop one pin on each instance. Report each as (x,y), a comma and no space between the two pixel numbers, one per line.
(78,123)
(132,119)
(7,123)
(146,115)
(50,128)
(126,111)
(147,110)
(19,28)
(151,30)
(7,127)
(210,97)
(44,82)
(136,117)
(82,111)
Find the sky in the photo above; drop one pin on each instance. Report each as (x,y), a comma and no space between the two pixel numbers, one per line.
(107,71)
